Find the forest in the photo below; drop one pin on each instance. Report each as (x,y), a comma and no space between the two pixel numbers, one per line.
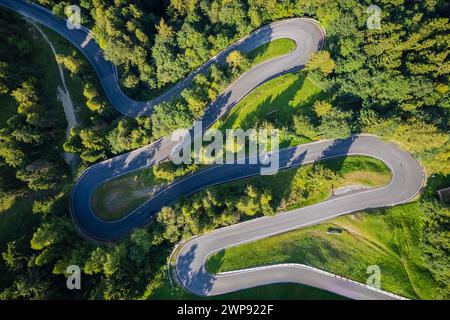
(392,82)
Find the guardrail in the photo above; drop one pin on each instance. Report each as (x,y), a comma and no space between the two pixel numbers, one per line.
(326,273)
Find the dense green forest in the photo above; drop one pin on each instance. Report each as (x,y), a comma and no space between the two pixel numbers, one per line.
(392,82)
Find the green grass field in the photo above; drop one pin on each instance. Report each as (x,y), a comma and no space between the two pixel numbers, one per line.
(275,101)
(383,237)
(273,49)
(114,199)
(360,170)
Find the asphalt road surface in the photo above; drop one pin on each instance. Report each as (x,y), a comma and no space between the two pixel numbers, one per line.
(306,32)
(405,184)
(309,36)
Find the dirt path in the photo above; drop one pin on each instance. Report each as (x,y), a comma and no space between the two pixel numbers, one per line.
(63,96)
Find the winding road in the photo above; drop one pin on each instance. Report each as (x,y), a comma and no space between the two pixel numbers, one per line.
(407,179)
(190,266)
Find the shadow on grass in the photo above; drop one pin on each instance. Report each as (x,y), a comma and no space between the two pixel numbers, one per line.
(214,263)
(277,108)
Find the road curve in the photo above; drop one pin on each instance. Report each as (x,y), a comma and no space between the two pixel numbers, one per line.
(304,32)
(308,36)
(407,172)
(407,180)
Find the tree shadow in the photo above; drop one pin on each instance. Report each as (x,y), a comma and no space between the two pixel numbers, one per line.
(262,50)
(289,158)
(199,280)
(265,109)
(216,109)
(215,261)
(126,162)
(338,150)
(277,109)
